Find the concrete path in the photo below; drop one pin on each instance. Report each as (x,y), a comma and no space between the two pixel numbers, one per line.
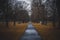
(30,33)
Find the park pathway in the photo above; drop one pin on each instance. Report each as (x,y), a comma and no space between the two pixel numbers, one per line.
(30,33)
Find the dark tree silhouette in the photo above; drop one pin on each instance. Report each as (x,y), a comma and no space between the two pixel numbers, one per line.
(4,8)
(58,11)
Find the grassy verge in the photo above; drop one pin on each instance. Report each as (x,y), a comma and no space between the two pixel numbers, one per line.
(13,32)
(47,32)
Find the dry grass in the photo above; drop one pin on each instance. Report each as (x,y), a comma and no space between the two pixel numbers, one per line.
(47,32)
(13,32)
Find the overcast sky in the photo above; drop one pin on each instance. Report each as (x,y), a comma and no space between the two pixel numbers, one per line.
(29,6)
(29,2)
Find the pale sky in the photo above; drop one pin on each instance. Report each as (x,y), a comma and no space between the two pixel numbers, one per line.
(43,1)
(29,2)
(29,6)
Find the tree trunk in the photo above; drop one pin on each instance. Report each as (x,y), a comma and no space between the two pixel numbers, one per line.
(6,20)
(58,11)
(54,20)
(14,19)
(14,22)
(59,18)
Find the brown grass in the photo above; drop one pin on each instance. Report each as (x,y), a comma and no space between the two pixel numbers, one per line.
(13,32)
(47,32)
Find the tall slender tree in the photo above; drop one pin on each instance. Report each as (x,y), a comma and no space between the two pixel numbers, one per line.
(58,11)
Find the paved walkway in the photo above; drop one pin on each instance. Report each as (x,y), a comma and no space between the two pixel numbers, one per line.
(30,34)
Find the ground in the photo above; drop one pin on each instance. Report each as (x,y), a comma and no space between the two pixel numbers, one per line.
(47,32)
(12,33)
(30,33)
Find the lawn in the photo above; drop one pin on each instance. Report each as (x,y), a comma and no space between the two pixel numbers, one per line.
(47,32)
(13,32)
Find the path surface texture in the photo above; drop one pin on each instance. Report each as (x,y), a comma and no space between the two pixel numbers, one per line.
(30,33)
